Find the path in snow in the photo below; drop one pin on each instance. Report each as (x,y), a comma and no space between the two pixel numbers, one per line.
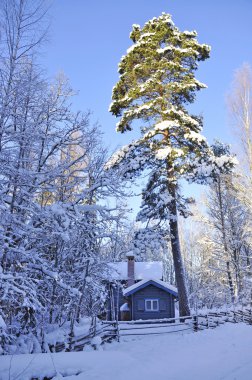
(224,353)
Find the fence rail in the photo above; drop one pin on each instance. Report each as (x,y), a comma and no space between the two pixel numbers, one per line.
(107,333)
(113,330)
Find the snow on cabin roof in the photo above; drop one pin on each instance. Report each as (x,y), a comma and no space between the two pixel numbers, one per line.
(142,284)
(143,270)
(125,307)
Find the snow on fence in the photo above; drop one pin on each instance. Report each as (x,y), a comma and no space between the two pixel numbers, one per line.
(95,337)
(113,330)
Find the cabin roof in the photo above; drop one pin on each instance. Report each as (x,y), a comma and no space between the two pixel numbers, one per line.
(158,283)
(143,270)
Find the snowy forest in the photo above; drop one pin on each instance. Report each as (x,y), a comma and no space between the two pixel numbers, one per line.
(64,196)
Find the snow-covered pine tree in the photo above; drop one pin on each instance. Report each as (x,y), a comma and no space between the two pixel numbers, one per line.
(156,82)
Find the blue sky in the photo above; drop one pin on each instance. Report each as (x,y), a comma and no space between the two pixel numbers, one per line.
(88,38)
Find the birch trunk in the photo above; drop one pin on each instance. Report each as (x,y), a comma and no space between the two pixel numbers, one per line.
(225,246)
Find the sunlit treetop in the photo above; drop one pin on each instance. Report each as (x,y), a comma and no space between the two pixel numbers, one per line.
(157,74)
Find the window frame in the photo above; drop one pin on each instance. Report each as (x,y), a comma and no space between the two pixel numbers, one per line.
(152,300)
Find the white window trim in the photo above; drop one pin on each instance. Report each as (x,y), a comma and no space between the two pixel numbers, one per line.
(151,300)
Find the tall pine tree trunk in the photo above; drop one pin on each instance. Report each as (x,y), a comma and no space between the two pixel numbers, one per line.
(184,309)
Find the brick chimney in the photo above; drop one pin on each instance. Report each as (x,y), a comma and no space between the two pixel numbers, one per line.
(131,268)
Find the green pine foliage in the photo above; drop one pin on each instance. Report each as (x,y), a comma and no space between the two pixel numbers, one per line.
(156,82)
(157,75)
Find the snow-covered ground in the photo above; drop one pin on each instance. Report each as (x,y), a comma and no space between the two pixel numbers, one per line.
(224,353)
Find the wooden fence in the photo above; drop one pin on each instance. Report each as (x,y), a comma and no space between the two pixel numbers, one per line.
(114,330)
(107,333)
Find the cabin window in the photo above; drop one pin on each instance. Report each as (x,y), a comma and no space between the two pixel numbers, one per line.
(151,305)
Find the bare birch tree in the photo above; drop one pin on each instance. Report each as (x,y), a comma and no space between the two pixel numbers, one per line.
(240,110)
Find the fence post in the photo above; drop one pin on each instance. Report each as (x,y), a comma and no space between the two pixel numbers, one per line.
(42,332)
(71,335)
(250,317)
(207,321)
(195,323)
(225,316)
(235,320)
(94,332)
(117,329)
(92,329)
(217,321)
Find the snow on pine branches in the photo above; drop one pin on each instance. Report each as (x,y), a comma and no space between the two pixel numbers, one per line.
(156,82)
